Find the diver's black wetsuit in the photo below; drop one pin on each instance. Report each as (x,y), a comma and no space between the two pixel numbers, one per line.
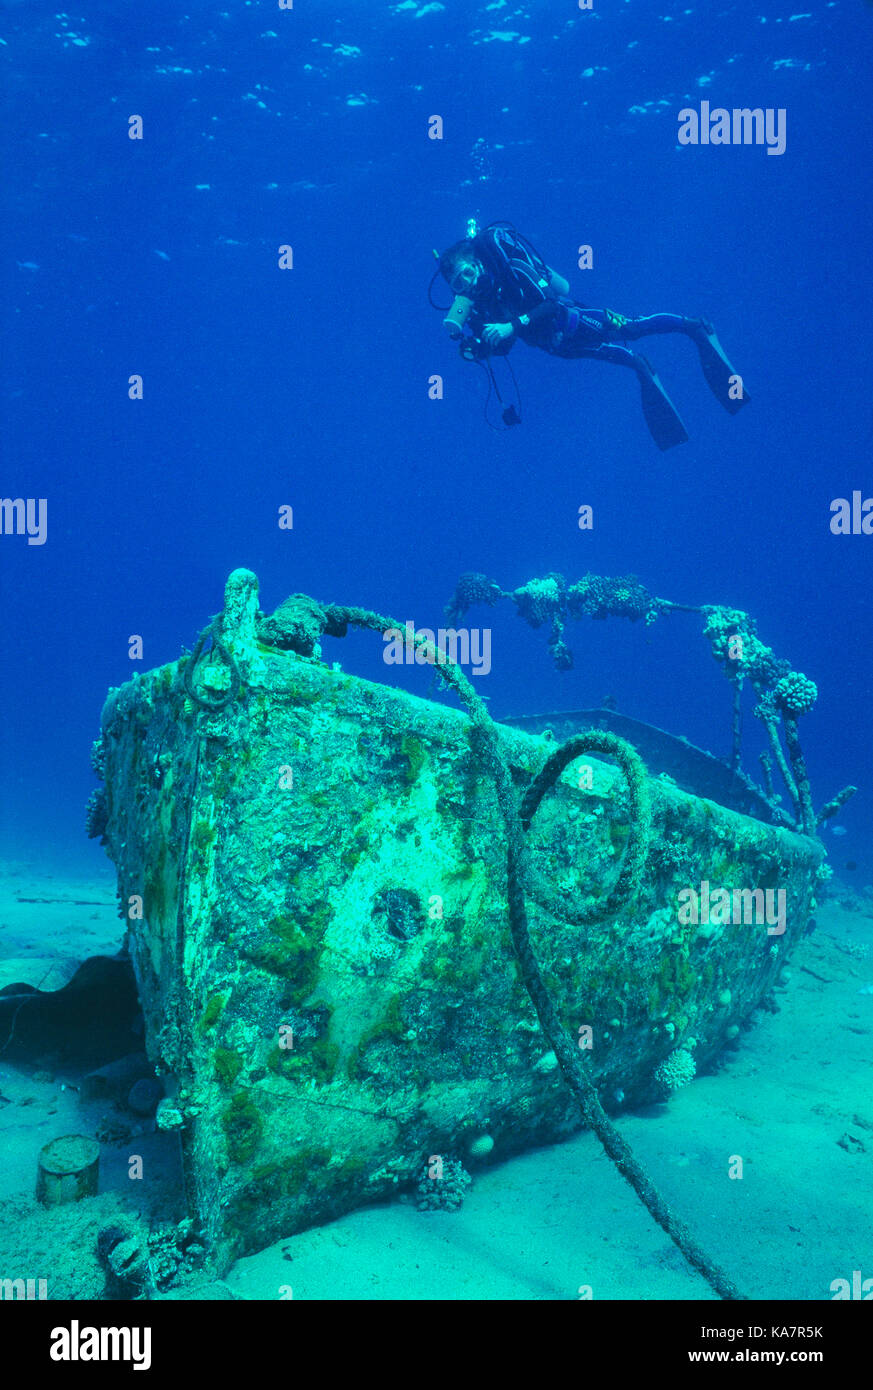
(564,328)
(559,325)
(567,329)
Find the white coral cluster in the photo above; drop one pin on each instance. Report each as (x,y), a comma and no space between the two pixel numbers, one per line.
(445,1192)
(675,1071)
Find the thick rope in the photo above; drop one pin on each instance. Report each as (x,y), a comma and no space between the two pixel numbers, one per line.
(636,851)
(567,1052)
(214,706)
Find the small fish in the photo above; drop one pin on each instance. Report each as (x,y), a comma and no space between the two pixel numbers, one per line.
(850,864)
(27,265)
(838,830)
(163,255)
(866,989)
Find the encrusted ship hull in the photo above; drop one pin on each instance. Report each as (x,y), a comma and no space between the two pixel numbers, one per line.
(315,881)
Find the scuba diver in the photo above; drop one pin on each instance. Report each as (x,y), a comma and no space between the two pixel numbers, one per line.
(504,290)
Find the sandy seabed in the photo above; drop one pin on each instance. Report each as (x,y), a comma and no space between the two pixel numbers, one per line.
(793,1099)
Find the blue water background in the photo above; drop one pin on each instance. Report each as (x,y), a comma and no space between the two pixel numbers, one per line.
(309,387)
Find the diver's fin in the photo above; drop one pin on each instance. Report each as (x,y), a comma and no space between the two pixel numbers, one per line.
(724,383)
(662,417)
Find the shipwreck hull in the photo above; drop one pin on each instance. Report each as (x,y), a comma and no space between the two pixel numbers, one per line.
(315,884)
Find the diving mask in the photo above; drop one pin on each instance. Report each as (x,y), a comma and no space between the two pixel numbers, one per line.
(465,277)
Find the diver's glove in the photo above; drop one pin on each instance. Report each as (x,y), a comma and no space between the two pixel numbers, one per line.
(613,319)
